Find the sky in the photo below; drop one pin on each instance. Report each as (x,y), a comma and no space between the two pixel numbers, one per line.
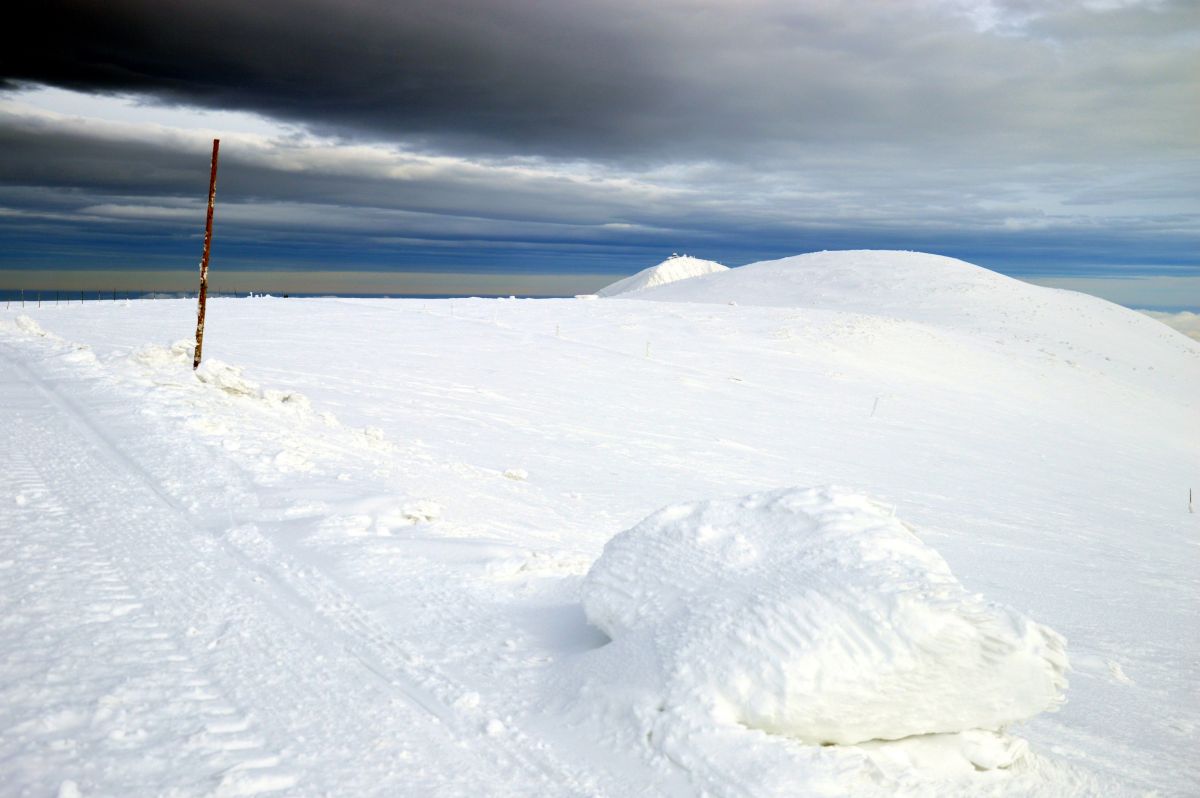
(552,146)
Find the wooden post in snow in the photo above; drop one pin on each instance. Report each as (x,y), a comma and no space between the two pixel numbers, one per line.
(212,198)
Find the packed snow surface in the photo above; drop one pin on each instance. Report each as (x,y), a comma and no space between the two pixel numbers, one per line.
(816,614)
(346,556)
(671,270)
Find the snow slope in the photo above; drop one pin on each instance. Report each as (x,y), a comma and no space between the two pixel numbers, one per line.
(671,270)
(348,558)
(913,295)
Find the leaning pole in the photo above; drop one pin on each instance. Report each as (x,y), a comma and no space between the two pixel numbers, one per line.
(212,198)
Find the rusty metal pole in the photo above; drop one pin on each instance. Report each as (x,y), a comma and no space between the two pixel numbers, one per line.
(212,198)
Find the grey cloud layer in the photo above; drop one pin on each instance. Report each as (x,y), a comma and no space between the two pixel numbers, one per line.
(1016,134)
(608,78)
(393,192)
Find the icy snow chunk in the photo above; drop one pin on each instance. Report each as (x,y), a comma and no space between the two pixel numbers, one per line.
(673,269)
(81,355)
(69,789)
(161,357)
(226,377)
(230,380)
(467,701)
(290,461)
(288,399)
(422,511)
(815,614)
(28,325)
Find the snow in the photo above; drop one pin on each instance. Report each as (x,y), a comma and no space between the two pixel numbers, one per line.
(350,556)
(671,270)
(817,615)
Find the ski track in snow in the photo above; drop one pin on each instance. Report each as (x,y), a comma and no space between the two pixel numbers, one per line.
(202,618)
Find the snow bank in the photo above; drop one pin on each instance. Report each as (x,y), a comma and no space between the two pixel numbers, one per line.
(29,326)
(671,270)
(817,615)
(153,356)
(79,354)
(226,378)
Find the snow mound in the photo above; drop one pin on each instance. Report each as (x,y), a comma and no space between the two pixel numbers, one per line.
(976,305)
(817,615)
(153,356)
(225,378)
(852,280)
(671,270)
(229,379)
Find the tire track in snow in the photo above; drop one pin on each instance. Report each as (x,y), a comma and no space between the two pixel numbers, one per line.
(424,683)
(234,596)
(124,657)
(96,675)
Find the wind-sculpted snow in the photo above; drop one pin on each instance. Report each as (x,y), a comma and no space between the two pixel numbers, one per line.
(817,615)
(671,270)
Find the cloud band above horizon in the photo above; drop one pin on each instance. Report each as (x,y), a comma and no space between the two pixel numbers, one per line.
(601,136)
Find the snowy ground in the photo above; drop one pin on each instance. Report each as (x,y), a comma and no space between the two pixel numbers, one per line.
(350,563)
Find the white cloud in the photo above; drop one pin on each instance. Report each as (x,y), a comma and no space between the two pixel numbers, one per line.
(1185,322)
(133,109)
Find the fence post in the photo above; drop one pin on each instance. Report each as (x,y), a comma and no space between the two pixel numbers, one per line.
(212,198)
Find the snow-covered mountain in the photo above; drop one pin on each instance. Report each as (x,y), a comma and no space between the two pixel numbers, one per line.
(671,270)
(379,547)
(962,300)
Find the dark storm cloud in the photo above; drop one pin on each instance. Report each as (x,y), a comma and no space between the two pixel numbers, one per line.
(525,73)
(700,78)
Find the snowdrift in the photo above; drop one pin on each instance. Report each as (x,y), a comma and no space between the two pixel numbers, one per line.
(915,286)
(815,614)
(903,290)
(861,281)
(671,270)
